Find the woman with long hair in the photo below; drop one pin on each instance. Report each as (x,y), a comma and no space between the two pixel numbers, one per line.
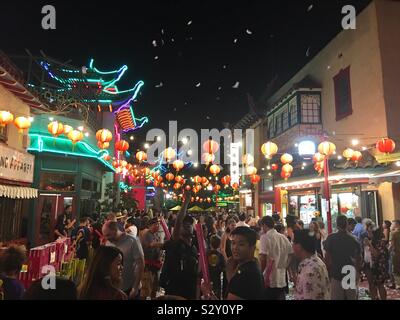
(104,276)
(314,227)
(226,239)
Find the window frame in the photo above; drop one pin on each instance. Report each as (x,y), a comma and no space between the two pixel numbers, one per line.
(312,116)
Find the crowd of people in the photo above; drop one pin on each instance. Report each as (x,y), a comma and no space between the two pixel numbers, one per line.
(130,256)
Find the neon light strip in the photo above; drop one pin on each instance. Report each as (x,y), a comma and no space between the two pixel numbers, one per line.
(136,89)
(331,178)
(122,69)
(98,154)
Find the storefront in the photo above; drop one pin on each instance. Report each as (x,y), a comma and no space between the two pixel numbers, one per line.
(65,174)
(16,177)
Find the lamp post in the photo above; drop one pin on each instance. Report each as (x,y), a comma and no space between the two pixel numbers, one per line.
(327,194)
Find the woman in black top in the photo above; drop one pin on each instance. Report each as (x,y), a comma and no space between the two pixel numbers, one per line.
(226,241)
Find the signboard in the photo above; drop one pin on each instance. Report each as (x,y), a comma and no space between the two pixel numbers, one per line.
(234,159)
(16,165)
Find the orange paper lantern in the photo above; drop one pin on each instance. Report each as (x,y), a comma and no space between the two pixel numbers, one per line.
(285,175)
(208,158)
(197,179)
(235,186)
(103,145)
(226,180)
(169,176)
(67,129)
(178,164)
(318,157)
(107,157)
(104,135)
(357,156)
(215,169)
(159,179)
(5,118)
(286,158)
(22,123)
(155,174)
(177,186)
(55,128)
(75,136)
(169,154)
(287,168)
(141,156)
(216,188)
(179,179)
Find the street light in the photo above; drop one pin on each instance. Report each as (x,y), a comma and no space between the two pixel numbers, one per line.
(146,146)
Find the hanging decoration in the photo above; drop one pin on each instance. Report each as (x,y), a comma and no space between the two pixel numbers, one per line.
(179,179)
(55,128)
(286,158)
(269,149)
(169,154)
(274,167)
(248,159)
(386,145)
(210,146)
(326,148)
(169,176)
(103,145)
(104,135)
(226,180)
(141,156)
(75,136)
(6,118)
(285,175)
(208,158)
(255,178)
(67,129)
(215,169)
(178,165)
(356,157)
(251,170)
(348,154)
(122,145)
(287,168)
(22,123)
(197,179)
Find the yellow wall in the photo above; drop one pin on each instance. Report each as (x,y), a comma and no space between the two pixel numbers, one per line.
(387,200)
(360,49)
(9,102)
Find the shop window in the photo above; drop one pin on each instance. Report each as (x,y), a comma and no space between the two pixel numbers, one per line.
(278,125)
(13,219)
(3,133)
(86,184)
(310,108)
(285,118)
(293,111)
(267,185)
(342,94)
(271,126)
(57,182)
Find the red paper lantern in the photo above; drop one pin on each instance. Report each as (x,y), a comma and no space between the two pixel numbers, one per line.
(386,145)
(122,145)
(274,166)
(169,176)
(357,156)
(235,186)
(159,179)
(162,184)
(255,178)
(226,180)
(107,157)
(177,186)
(179,179)
(188,187)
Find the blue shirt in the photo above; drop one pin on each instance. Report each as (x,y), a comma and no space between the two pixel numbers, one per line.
(358,230)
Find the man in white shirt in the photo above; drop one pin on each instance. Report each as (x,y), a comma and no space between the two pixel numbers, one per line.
(242,222)
(275,252)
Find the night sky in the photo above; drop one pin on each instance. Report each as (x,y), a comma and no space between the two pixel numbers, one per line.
(274,40)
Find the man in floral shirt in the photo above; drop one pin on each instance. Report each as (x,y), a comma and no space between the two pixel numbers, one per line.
(312,280)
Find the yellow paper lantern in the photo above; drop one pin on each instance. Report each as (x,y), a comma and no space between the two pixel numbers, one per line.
(326,148)
(269,149)
(286,158)
(5,118)
(348,153)
(208,158)
(318,157)
(103,145)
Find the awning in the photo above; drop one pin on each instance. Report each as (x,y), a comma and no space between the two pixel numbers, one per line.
(16,192)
